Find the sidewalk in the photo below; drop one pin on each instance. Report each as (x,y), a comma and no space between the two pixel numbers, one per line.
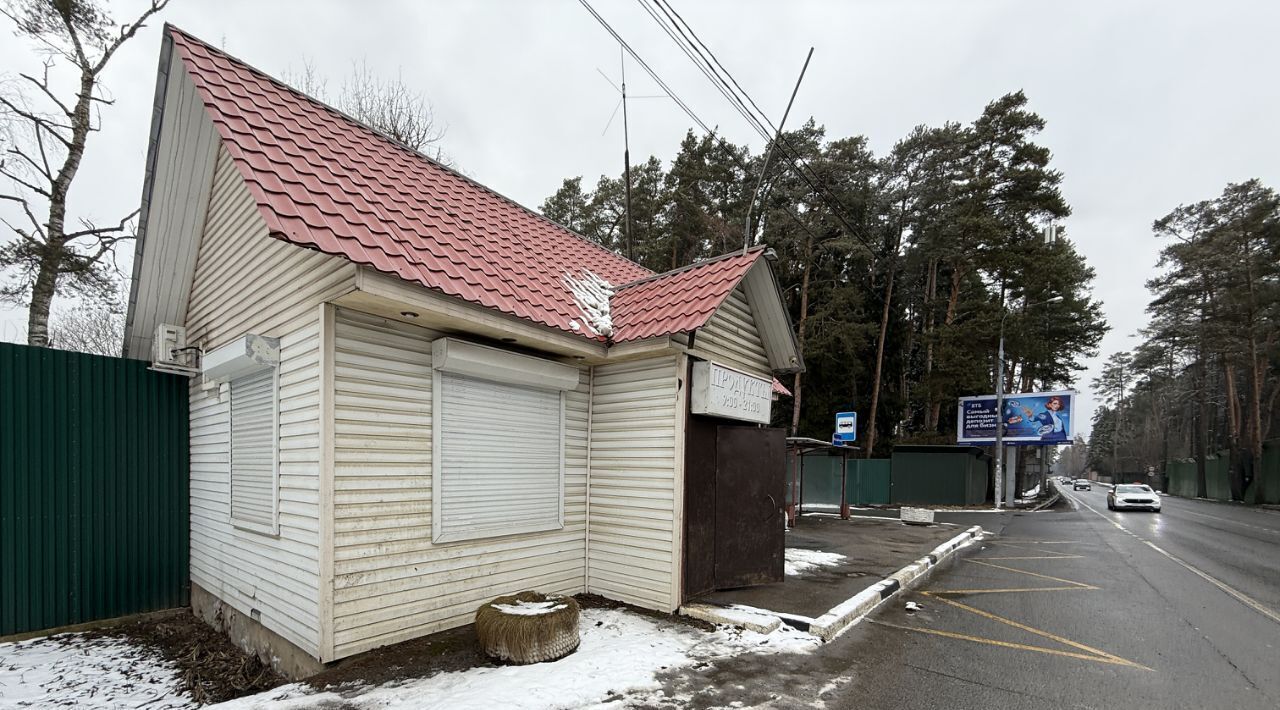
(831,560)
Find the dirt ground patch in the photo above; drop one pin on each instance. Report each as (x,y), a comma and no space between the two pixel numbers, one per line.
(595,601)
(452,650)
(213,669)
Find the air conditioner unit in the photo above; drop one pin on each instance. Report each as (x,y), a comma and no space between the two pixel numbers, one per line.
(172,354)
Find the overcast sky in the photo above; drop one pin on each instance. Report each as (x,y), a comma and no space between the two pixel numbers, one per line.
(1149,104)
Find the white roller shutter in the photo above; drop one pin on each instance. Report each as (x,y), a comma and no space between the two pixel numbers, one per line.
(499,459)
(253,450)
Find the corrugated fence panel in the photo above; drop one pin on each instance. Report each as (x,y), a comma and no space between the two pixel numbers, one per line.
(93,488)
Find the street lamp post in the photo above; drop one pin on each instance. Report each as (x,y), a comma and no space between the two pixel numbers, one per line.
(999,487)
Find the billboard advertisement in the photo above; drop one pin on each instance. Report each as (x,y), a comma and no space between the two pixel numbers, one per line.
(1028,418)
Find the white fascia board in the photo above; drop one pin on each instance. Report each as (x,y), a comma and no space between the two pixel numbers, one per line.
(486,363)
(242,356)
(772,320)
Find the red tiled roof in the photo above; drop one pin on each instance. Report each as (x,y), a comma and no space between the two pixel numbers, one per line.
(678,301)
(326,182)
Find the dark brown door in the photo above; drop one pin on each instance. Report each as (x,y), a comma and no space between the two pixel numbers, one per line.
(749,494)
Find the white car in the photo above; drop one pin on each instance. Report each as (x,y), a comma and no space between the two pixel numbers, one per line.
(1133,496)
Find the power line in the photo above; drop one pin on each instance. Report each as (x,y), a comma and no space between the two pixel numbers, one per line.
(654,75)
(713,135)
(756,119)
(684,45)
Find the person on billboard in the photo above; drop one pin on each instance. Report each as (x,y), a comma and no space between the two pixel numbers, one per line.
(1051,420)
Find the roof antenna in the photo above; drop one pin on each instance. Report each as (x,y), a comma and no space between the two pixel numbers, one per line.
(626,143)
(746,230)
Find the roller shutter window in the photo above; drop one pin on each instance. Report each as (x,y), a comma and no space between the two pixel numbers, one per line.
(500,459)
(254,422)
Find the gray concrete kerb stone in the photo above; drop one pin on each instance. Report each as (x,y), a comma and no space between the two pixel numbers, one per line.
(844,614)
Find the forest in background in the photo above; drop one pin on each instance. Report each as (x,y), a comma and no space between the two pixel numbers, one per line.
(897,269)
(1203,380)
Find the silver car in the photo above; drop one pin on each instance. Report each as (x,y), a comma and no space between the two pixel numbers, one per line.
(1133,496)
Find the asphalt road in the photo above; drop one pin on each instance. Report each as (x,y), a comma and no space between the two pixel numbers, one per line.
(1073,608)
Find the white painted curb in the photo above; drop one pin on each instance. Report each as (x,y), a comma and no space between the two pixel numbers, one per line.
(842,616)
(758,620)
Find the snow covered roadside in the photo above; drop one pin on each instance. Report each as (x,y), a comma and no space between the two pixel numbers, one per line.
(800,561)
(619,659)
(71,670)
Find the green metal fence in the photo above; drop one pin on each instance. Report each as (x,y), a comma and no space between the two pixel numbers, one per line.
(940,475)
(867,481)
(1265,488)
(93,488)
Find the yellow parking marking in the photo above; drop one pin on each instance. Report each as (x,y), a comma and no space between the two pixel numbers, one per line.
(1042,553)
(1097,654)
(1008,644)
(1078,585)
(1014,590)
(1082,651)
(1038,557)
(1035,542)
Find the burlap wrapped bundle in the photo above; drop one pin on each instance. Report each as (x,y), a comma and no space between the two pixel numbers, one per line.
(528,627)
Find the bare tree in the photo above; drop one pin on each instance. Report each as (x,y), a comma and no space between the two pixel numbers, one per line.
(386,105)
(95,327)
(46,132)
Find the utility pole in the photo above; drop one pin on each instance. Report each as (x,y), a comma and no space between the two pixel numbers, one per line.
(755,195)
(999,486)
(1000,492)
(1115,436)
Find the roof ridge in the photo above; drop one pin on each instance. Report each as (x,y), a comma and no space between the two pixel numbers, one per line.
(169,27)
(689,267)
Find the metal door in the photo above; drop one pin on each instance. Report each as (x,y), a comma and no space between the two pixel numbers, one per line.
(750,494)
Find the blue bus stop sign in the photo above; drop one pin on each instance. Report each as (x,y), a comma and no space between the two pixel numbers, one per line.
(846,428)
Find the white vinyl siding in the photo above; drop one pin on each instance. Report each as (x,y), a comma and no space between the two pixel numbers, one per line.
(500,459)
(732,339)
(274,578)
(391,582)
(254,424)
(184,152)
(247,282)
(634,537)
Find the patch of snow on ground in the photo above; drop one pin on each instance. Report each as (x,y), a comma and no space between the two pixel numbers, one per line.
(530,608)
(620,656)
(70,670)
(799,561)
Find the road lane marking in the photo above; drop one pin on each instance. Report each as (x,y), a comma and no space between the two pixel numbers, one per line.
(1224,520)
(1231,591)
